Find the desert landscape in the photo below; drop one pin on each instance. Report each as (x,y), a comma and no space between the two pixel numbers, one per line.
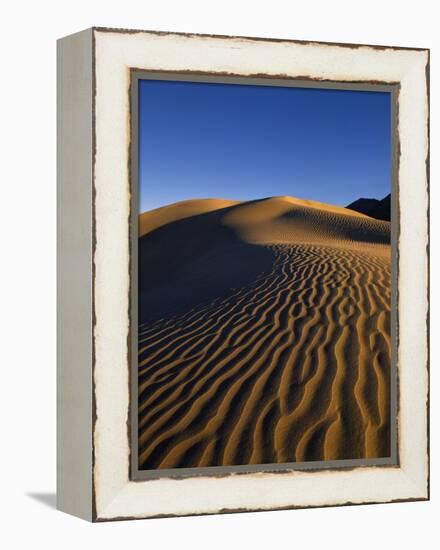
(264,333)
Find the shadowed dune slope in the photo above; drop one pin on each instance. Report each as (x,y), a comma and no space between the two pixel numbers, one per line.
(264,334)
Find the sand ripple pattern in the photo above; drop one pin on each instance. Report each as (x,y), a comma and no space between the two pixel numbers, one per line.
(293,366)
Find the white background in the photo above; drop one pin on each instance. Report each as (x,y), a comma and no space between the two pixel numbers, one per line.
(27,273)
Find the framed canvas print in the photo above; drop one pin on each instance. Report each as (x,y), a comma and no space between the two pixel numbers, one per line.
(242,274)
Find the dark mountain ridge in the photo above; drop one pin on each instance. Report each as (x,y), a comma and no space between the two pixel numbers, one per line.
(378,209)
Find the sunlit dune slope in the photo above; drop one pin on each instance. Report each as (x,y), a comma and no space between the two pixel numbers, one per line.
(148,221)
(264,334)
(286,220)
(276,220)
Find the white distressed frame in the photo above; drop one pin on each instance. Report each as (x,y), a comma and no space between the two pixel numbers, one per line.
(115,495)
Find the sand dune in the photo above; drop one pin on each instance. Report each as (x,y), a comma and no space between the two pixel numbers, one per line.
(148,221)
(264,334)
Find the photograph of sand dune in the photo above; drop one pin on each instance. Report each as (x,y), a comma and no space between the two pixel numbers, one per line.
(264,274)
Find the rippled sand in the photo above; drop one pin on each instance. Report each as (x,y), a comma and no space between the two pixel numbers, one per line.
(264,334)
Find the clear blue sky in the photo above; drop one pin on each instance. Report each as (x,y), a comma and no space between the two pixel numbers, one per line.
(200,140)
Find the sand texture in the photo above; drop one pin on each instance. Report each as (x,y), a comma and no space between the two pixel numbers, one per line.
(264,334)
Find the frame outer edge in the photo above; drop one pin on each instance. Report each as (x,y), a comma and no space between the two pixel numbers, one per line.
(426,121)
(428,256)
(74,274)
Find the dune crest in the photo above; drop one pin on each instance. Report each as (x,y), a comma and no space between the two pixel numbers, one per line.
(153,219)
(285,220)
(264,334)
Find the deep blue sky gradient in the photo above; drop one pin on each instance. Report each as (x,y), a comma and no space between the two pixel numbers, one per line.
(200,140)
